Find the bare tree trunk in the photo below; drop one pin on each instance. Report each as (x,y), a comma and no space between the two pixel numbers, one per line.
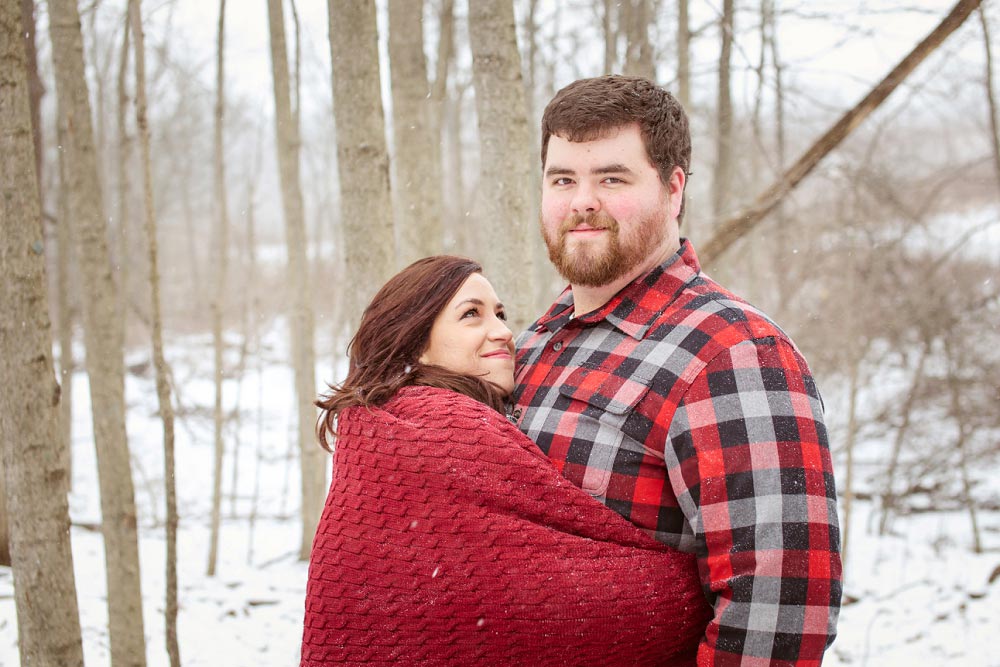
(67,365)
(159,362)
(889,494)
(531,56)
(683,54)
(455,183)
(124,150)
(35,87)
(639,55)
(417,158)
(4,523)
(962,423)
(610,36)
(362,159)
(505,155)
(439,109)
(221,270)
(736,226)
(722,182)
(311,460)
(847,494)
(34,485)
(102,335)
(991,94)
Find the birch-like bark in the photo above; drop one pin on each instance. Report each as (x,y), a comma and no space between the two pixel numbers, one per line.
(504,198)
(362,158)
(103,340)
(417,159)
(312,463)
(48,623)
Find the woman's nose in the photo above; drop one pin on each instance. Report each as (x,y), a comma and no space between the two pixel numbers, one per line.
(501,331)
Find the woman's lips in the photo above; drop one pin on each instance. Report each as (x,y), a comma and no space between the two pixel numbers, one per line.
(498,354)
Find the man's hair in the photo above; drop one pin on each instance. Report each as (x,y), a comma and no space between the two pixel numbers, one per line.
(590,109)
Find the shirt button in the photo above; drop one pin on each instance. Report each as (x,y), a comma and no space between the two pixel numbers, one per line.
(558,346)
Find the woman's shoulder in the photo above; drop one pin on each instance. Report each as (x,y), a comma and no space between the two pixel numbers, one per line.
(432,405)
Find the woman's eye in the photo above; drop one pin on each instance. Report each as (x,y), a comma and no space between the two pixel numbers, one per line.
(502,315)
(471,312)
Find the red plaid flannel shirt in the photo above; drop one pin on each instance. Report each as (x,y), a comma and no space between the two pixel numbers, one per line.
(690,413)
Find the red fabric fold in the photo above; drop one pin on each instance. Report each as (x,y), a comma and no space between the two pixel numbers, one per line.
(448,537)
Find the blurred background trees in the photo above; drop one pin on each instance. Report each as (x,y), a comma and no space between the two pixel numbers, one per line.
(303,151)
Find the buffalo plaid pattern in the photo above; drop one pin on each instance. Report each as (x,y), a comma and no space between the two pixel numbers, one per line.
(690,413)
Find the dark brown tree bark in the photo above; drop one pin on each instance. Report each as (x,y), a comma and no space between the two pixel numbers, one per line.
(733,228)
(34,472)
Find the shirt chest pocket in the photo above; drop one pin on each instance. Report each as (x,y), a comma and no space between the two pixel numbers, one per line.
(595,407)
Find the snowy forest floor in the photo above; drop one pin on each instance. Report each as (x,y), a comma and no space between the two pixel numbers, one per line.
(918,596)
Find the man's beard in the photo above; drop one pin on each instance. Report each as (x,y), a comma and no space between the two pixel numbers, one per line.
(595,268)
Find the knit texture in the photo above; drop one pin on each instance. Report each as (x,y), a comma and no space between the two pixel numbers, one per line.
(448,538)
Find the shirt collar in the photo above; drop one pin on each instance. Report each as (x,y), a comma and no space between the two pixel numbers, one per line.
(634,309)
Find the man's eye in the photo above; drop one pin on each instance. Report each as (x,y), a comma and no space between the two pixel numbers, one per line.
(562,181)
(613,180)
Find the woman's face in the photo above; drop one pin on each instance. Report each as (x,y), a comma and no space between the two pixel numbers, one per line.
(470,335)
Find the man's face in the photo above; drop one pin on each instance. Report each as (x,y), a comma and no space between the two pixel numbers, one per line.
(605,212)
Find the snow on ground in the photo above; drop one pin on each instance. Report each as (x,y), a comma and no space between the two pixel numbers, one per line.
(916,597)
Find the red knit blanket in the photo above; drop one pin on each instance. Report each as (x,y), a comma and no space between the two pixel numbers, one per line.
(449,538)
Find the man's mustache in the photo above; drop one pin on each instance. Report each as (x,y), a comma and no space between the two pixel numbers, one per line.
(595,220)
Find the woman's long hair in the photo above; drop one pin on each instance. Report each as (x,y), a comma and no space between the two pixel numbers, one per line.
(394,332)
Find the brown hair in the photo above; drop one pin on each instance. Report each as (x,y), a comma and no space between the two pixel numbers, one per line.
(590,109)
(395,330)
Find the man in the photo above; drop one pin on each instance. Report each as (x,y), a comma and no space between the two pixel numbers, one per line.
(668,398)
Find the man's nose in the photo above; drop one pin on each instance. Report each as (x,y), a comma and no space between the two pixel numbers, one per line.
(585,200)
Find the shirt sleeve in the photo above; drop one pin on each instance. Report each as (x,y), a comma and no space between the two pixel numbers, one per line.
(754,478)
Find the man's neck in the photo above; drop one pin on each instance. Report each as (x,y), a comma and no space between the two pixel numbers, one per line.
(589,299)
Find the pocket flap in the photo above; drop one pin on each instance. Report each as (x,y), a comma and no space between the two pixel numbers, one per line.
(603,390)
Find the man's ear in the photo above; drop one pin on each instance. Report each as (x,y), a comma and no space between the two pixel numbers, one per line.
(675,191)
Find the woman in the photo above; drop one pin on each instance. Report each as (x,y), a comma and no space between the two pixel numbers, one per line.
(448,537)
